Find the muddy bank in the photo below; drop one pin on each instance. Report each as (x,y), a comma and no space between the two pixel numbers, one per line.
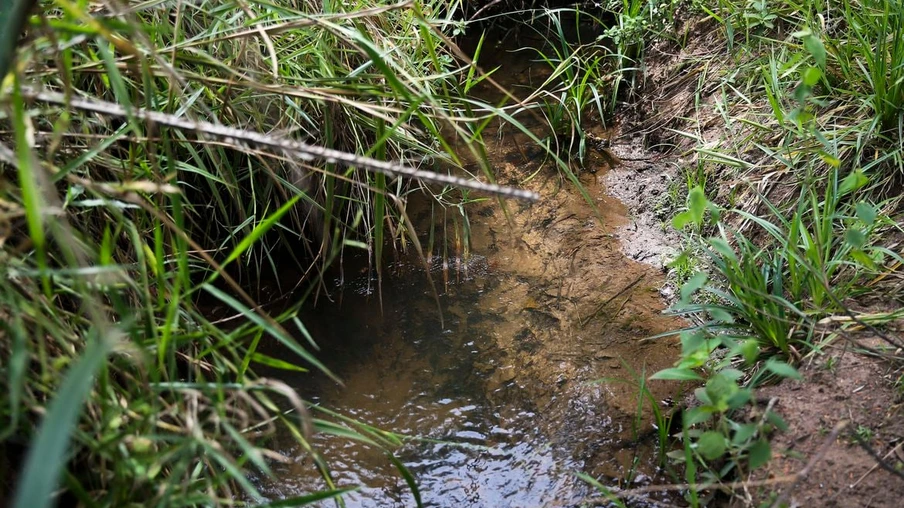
(642,181)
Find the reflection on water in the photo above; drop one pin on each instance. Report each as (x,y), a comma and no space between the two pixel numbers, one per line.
(480,440)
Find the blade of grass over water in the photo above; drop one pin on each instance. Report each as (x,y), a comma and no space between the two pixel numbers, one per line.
(50,451)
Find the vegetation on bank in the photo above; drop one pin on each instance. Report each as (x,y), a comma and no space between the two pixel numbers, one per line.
(792,211)
(157,159)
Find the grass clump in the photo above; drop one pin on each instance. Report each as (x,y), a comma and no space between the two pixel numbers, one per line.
(809,145)
(156,158)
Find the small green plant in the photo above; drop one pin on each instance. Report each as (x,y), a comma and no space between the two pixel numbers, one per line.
(716,443)
(759,15)
(871,60)
(863,434)
(572,94)
(805,267)
(638,24)
(763,302)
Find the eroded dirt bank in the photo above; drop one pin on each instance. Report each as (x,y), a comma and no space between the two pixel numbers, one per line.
(681,111)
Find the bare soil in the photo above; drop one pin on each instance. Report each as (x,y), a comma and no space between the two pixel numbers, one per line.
(841,384)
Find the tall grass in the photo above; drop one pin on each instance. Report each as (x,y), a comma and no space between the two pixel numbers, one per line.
(572,97)
(156,159)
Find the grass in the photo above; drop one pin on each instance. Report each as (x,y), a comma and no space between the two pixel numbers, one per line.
(809,111)
(157,160)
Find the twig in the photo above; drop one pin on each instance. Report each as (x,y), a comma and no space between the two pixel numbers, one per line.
(872,453)
(887,455)
(485,7)
(649,489)
(242,138)
(608,300)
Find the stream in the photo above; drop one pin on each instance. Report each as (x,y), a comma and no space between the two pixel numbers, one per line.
(498,379)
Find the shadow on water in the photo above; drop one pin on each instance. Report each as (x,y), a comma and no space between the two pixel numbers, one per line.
(481,444)
(500,391)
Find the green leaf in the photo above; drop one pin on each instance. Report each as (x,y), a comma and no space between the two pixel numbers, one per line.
(782,369)
(676,455)
(720,388)
(811,76)
(800,93)
(744,432)
(692,285)
(722,247)
(676,375)
(864,259)
(691,342)
(696,204)
(776,420)
(750,350)
(409,478)
(259,231)
(759,454)
(739,399)
(815,47)
(696,207)
(696,415)
(853,181)
(866,212)
(711,445)
(307,499)
(831,160)
(276,363)
(855,238)
(721,315)
(274,330)
(681,220)
(733,374)
(593,482)
(48,451)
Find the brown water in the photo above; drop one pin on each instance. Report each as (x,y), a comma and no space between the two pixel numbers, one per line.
(500,389)
(405,371)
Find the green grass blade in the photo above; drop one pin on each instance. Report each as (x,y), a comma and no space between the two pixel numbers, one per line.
(273,330)
(47,456)
(308,499)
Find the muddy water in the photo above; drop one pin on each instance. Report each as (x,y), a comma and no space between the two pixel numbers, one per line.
(447,382)
(498,386)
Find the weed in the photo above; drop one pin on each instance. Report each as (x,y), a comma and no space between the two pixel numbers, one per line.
(638,23)
(865,434)
(573,91)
